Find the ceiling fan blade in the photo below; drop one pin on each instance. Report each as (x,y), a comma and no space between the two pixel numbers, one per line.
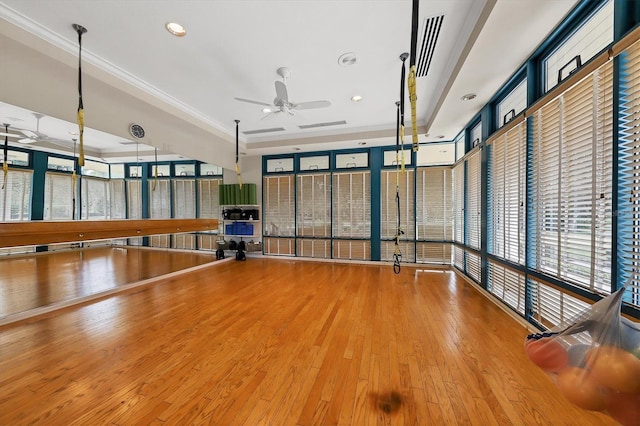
(252,102)
(28,133)
(281,91)
(26,140)
(312,104)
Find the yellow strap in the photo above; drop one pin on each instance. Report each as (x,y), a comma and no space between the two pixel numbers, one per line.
(5,168)
(81,136)
(155,178)
(239,176)
(413,98)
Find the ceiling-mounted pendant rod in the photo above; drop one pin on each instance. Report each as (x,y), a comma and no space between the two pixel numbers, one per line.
(238,154)
(5,165)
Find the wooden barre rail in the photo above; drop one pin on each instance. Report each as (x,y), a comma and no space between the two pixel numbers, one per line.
(16,234)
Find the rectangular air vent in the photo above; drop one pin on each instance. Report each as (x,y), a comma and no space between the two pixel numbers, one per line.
(255,132)
(331,123)
(430,33)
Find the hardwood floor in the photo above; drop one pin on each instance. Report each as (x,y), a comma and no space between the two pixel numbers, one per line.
(281,342)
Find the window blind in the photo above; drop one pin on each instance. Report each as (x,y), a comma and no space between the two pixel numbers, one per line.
(572,185)
(473,217)
(458,202)
(313,200)
(279,206)
(506,211)
(15,198)
(58,196)
(458,258)
(434,204)
(134,199)
(388,220)
(352,204)
(438,253)
(319,248)
(95,198)
(117,200)
(473,266)
(550,306)
(159,199)
(184,199)
(507,285)
(208,194)
(629,173)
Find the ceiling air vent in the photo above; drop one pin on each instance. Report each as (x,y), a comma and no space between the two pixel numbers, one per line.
(331,123)
(255,132)
(430,33)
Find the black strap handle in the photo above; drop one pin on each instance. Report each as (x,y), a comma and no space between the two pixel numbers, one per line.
(578,62)
(512,112)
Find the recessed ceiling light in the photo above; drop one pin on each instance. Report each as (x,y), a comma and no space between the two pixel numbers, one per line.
(73,133)
(265,110)
(440,136)
(356,98)
(347,59)
(468,96)
(362,143)
(175,29)
(296,149)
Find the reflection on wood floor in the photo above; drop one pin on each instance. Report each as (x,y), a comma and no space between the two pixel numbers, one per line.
(280,342)
(33,281)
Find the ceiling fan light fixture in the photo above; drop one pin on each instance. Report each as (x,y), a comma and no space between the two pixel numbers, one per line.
(348,59)
(267,110)
(356,98)
(175,29)
(468,97)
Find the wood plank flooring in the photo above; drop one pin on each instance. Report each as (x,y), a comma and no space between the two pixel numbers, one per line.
(281,342)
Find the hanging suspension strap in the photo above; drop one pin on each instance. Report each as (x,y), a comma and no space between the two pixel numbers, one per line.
(74,179)
(237,157)
(412,75)
(5,165)
(397,254)
(155,172)
(80,30)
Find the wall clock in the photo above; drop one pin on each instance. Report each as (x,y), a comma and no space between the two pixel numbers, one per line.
(136,131)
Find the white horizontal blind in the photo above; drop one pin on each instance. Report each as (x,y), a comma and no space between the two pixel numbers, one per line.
(458,202)
(507,285)
(134,199)
(473,200)
(319,248)
(183,241)
(407,250)
(279,246)
(279,206)
(473,266)
(159,199)
(95,198)
(551,307)
(507,194)
(437,253)
(389,215)
(572,157)
(184,199)
(352,249)
(458,257)
(209,199)
(15,198)
(434,204)
(117,199)
(352,205)
(629,169)
(313,200)
(58,196)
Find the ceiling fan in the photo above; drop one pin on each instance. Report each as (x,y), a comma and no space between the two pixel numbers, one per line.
(32,136)
(281,103)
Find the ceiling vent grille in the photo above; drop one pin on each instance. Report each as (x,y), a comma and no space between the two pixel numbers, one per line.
(430,33)
(255,132)
(331,123)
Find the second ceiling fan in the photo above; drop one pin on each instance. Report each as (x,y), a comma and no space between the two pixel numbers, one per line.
(281,103)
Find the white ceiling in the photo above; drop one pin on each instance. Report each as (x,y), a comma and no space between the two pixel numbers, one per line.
(182,90)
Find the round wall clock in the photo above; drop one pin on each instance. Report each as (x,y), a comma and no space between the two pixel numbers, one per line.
(136,131)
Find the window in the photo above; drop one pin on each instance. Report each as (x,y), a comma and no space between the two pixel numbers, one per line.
(473,218)
(551,307)
(134,199)
(60,164)
(350,161)
(184,198)
(404,155)
(16,158)
(159,199)
(209,200)
(117,199)
(117,171)
(507,285)
(210,170)
(506,210)
(434,204)
(629,163)
(389,214)
(185,169)
(279,199)
(512,104)
(15,195)
(59,196)
(317,162)
(94,168)
(279,165)
(95,198)
(432,154)
(352,205)
(476,135)
(159,170)
(594,35)
(572,182)
(314,205)
(458,202)
(135,171)
(460,146)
